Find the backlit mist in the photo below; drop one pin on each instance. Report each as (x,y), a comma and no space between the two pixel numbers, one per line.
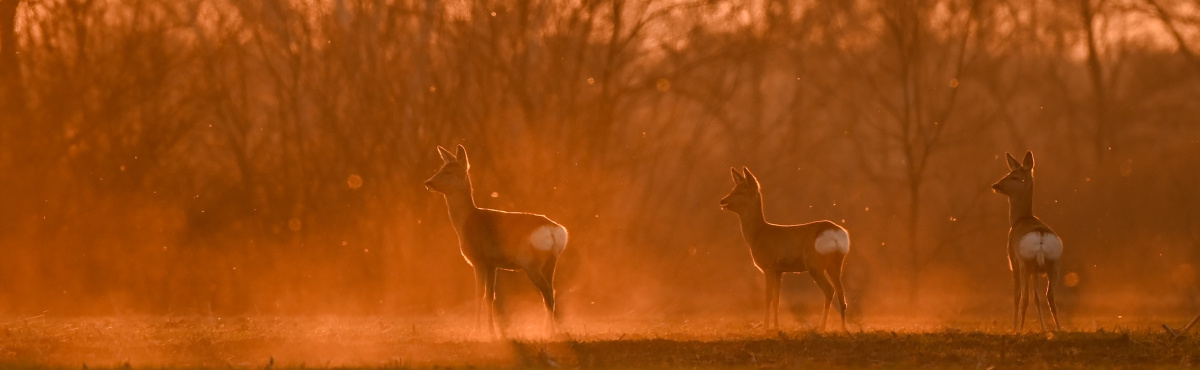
(213,157)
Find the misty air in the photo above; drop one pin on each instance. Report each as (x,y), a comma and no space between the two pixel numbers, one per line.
(599,184)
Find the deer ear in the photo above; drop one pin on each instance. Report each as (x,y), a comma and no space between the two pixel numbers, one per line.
(750,179)
(462,156)
(1028,162)
(1012,162)
(446,156)
(737,177)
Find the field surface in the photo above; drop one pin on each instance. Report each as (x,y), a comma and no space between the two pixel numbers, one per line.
(383,342)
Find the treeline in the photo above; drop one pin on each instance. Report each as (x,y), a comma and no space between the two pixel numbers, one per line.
(267,157)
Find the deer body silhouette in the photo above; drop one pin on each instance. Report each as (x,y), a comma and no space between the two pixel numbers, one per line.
(817,247)
(1033,248)
(490,240)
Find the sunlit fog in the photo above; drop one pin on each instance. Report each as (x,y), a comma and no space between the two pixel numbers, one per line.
(266,160)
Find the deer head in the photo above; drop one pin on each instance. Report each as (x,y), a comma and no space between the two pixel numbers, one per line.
(745,196)
(1019,180)
(452,177)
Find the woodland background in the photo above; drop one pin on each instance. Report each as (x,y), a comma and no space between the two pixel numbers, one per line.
(266,157)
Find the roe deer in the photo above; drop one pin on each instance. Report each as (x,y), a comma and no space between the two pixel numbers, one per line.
(817,247)
(491,239)
(1033,249)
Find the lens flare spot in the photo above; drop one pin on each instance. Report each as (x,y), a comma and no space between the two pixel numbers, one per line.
(294,224)
(1127,167)
(1071,280)
(354,181)
(663,85)
(495,194)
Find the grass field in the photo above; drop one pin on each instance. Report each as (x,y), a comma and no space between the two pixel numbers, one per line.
(338,342)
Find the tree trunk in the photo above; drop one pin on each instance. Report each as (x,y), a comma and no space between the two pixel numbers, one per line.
(914,217)
(12,97)
(1104,137)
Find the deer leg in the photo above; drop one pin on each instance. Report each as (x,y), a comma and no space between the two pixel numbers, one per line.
(1016,295)
(548,273)
(480,297)
(819,277)
(835,277)
(775,302)
(772,297)
(489,299)
(1051,278)
(545,284)
(1024,299)
(1037,301)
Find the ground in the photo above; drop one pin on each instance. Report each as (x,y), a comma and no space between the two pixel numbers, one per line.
(374,342)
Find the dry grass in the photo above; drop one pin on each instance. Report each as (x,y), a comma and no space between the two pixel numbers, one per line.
(254,342)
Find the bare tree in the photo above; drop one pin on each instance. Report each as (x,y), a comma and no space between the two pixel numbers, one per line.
(12,96)
(289,139)
(917,86)
(1104,135)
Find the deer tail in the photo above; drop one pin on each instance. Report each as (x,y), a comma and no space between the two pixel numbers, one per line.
(559,236)
(1041,259)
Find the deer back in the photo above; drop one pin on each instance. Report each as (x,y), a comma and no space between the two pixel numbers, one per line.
(510,239)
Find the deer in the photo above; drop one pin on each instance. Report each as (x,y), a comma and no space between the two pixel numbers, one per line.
(818,248)
(1033,248)
(492,240)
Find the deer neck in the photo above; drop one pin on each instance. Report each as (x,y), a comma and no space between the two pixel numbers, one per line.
(1020,206)
(753,221)
(461,203)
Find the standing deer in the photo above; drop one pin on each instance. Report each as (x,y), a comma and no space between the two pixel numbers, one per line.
(817,247)
(491,239)
(1033,249)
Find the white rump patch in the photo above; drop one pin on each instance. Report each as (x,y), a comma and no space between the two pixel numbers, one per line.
(549,238)
(1040,241)
(832,240)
